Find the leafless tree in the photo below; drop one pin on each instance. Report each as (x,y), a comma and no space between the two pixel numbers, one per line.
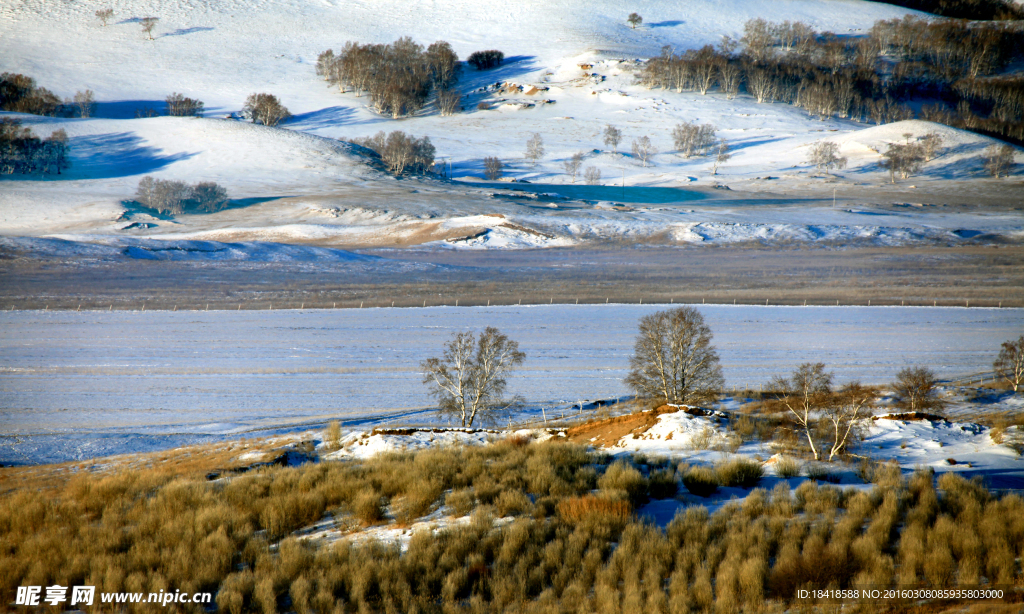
(443,64)
(758,39)
(634,20)
(825,155)
(176,197)
(483,60)
(998,160)
(932,143)
(148,23)
(915,390)
(493,168)
(180,106)
(1009,365)
(265,108)
(729,78)
(762,85)
(643,149)
(722,155)
(105,15)
(845,412)
(56,150)
(673,359)
(471,375)
(535,148)
(612,137)
(903,159)
(592,175)
(691,139)
(573,164)
(449,102)
(804,394)
(404,153)
(86,103)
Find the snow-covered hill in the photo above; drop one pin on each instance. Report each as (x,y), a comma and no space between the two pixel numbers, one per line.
(298,184)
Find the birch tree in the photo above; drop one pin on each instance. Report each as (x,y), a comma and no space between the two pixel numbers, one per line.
(471,375)
(804,394)
(1009,365)
(846,411)
(673,359)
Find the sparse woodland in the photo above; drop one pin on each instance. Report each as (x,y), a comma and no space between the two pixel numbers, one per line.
(952,71)
(24,153)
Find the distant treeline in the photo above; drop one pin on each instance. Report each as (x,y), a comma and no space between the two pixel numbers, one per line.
(965,9)
(950,68)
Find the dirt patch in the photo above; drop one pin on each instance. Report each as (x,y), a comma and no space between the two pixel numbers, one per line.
(606,433)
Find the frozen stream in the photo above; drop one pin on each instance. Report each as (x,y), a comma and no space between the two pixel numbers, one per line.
(74,385)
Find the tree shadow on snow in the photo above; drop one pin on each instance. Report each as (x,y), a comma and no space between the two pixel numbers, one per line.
(323,118)
(127,109)
(665,24)
(184,31)
(122,154)
(511,68)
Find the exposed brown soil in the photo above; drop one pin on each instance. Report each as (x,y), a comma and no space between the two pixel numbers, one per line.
(607,432)
(911,417)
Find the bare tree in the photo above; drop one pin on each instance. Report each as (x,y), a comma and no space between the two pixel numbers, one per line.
(471,375)
(612,137)
(722,155)
(176,197)
(758,38)
(643,149)
(86,103)
(729,78)
(265,108)
(931,144)
(915,390)
(443,64)
(404,153)
(903,160)
(493,168)
(805,393)
(634,20)
(761,83)
(691,139)
(180,106)
(105,15)
(592,175)
(1009,365)
(448,102)
(56,152)
(535,148)
(573,164)
(998,159)
(673,359)
(825,155)
(148,23)
(845,412)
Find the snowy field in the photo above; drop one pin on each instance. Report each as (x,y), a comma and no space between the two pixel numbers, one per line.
(83,384)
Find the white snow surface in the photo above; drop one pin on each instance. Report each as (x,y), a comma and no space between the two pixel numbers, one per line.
(297,184)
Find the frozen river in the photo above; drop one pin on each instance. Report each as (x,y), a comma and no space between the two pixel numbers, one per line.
(74,385)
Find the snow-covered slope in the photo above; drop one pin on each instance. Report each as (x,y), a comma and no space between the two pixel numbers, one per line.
(297,184)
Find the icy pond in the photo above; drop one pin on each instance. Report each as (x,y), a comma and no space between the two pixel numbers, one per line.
(85,383)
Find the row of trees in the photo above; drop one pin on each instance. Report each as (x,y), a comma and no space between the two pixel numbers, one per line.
(24,153)
(400,152)
(867,79)
(177,197)
(19,93)
(674,362)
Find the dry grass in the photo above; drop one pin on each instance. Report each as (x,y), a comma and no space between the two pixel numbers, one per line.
(567,549)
